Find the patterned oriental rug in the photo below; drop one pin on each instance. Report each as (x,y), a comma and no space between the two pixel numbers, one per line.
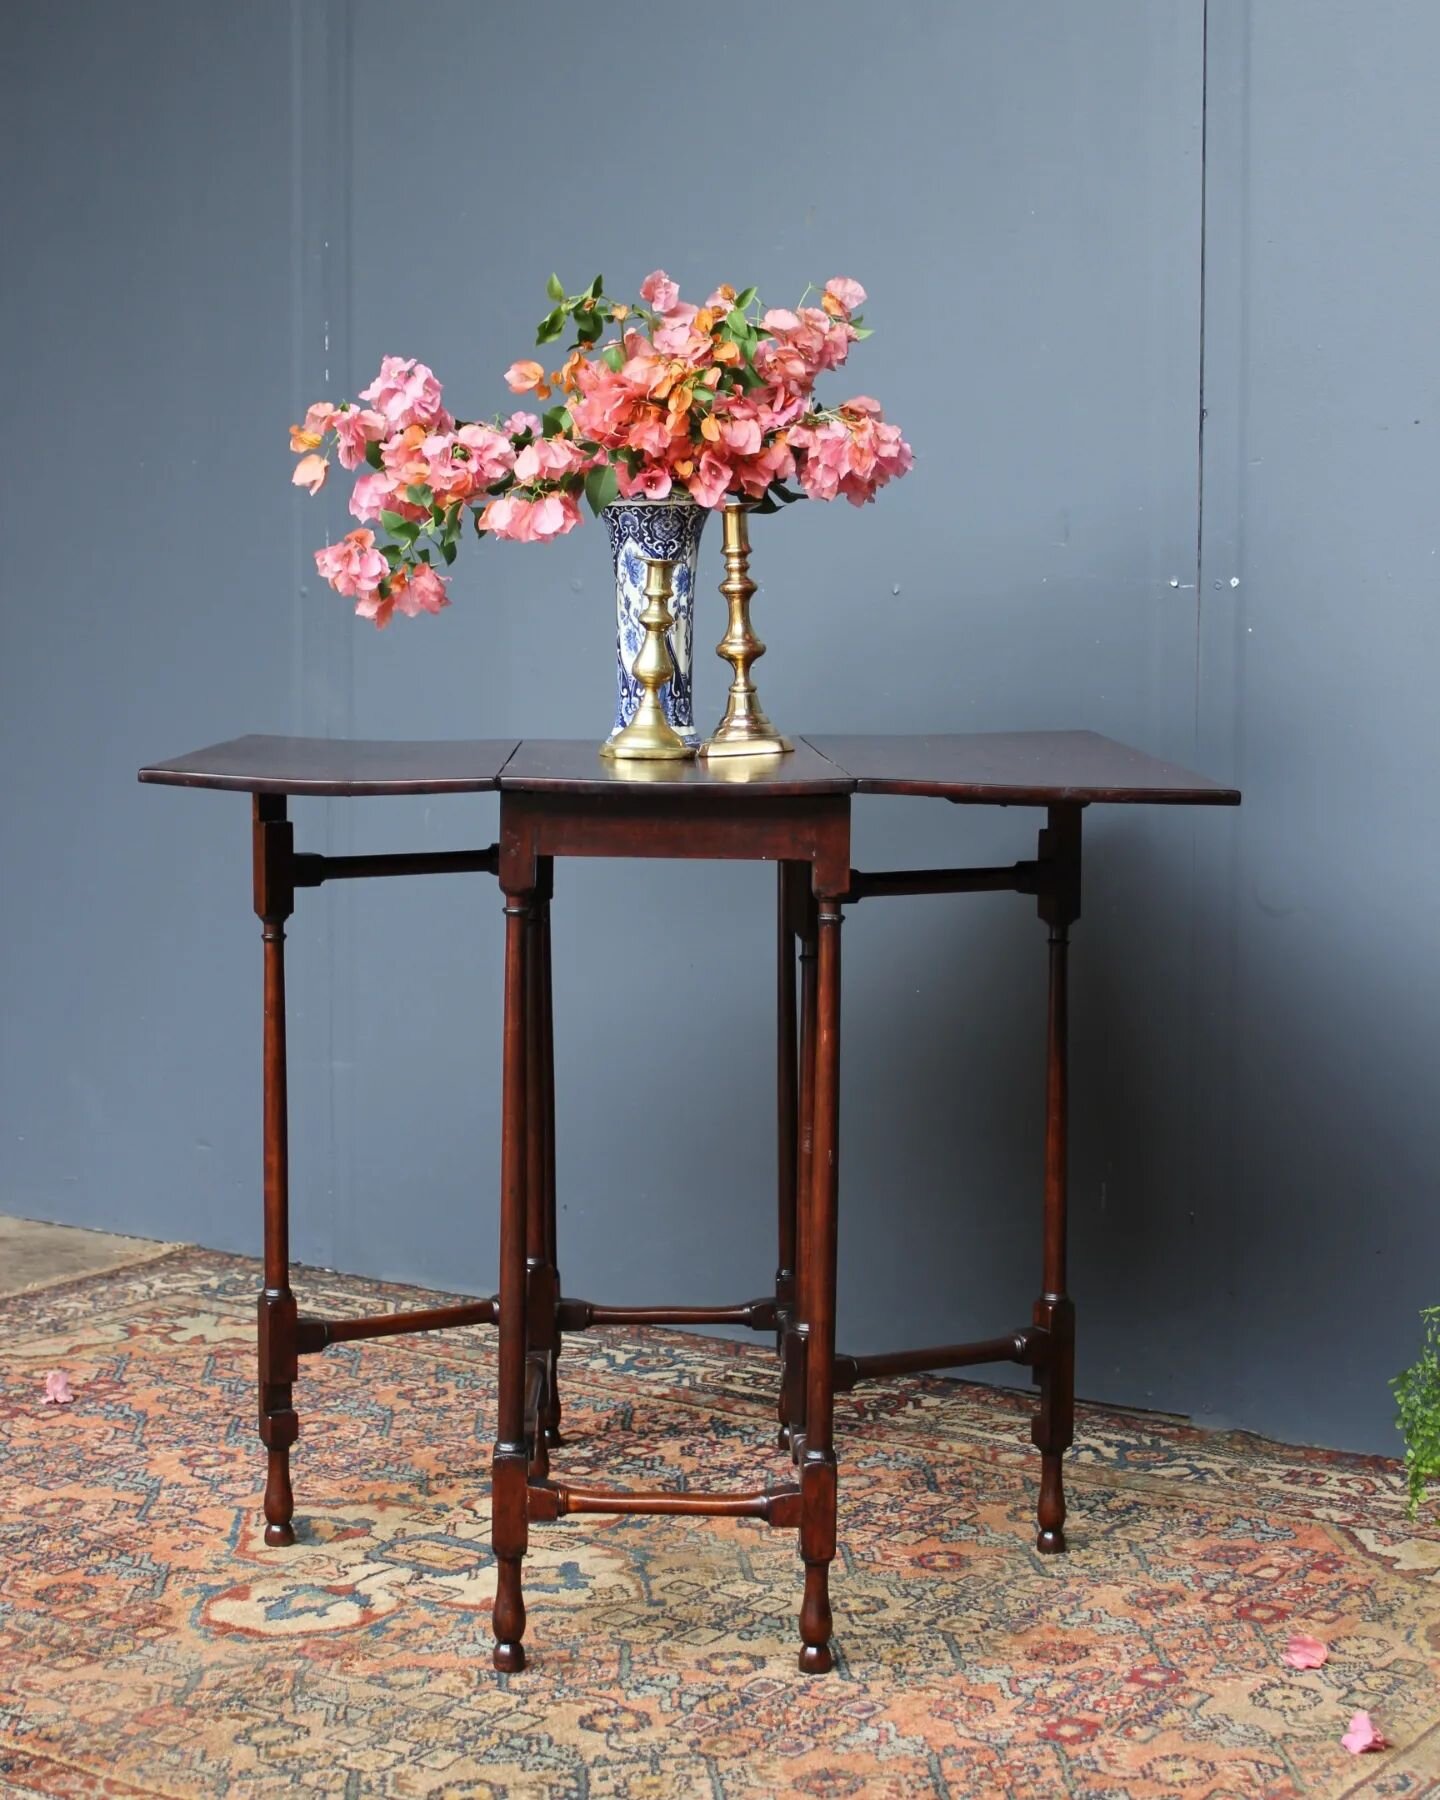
(151,1645)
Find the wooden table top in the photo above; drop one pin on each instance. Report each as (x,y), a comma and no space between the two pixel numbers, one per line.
(1015,768)
(1020,768)
(302,765)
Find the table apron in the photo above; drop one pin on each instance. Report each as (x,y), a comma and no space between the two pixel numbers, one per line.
(716,828)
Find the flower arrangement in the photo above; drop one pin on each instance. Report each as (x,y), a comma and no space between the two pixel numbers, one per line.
(709,402)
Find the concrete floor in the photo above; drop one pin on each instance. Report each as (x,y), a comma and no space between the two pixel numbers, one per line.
(33,1254)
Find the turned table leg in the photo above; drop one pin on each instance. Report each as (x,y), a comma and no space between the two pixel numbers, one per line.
(786,1099)
(1053,1429)
(273,856)
(509,1526)
(817,1300)
(542,1272)
(792,1373)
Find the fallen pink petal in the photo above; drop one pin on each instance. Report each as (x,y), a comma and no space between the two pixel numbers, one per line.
(1362,1735)
(1305,1652)
(57,1388)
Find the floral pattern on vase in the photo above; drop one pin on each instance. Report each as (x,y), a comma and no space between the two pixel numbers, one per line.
(646,530)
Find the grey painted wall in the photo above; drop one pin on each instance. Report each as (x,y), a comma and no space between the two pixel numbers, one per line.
(225,212)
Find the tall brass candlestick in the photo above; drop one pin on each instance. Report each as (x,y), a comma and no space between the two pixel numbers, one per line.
(745,730)
(650,737)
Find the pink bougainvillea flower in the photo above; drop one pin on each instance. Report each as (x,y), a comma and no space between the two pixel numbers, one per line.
(411,592)
(530,521)
(1305,1652)
(848,293)
(57,1388)
(659,290)
(652,483)
(522,377)
(424,592)
(353,566)
(1362,1735)
(490,451)
(520,422)
(547,459)
(354,429)
(310,472)
(407,393)
(711,481)
(372,494)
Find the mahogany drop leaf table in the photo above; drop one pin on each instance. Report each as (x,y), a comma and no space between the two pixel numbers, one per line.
(560,799)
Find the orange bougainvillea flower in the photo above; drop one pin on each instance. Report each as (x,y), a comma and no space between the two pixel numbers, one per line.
(710,428)
(619,312)
(301,440)
(727,353)
(310,472)
(521,377)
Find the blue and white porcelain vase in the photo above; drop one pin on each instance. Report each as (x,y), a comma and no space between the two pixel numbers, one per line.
(642,530)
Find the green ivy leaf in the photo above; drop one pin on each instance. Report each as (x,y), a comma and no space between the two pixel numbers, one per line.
(601,487)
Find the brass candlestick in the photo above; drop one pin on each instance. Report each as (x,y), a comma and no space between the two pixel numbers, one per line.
(650,737)
(745,730)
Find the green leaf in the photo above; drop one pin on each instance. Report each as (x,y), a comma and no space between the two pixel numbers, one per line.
(864,332)
(392,521)
(588,325)
(394,554)
(373,456)
(738,323)
(597,287)
(613,357)
(556,421)
(779,487)
(601,487)
(448,551)
(554,289)
(418,495)
(744,298)
(551,326)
